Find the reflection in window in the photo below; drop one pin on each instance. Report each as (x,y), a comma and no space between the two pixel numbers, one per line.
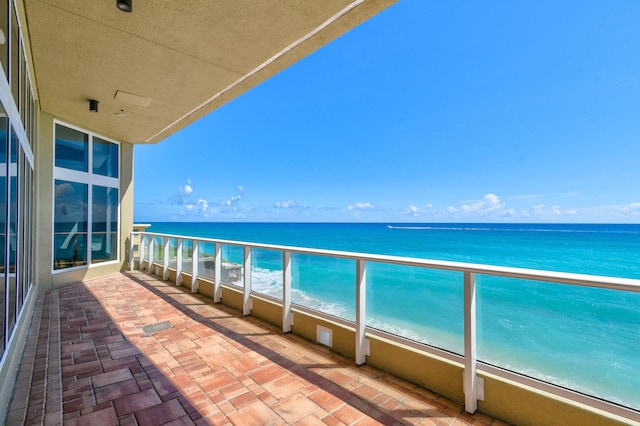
(4,28)
(12,230)
(70,224)
(3,220)
(105,158)
(87,199)
(71,149)
(104,232)
(15,58)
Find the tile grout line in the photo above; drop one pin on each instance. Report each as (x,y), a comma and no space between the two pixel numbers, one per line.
(33,333)
(53,403)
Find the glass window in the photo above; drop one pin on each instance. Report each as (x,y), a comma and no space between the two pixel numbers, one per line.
(3,205)
(89,196)
(105,158)
(15,58)
(23,85)
(20,231)
(12,231)
(4,36)
(71,149)
(104,232)
(70,224)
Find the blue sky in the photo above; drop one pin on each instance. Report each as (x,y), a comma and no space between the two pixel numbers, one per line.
(432,111)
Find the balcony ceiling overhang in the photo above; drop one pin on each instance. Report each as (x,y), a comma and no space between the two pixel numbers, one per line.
(168,63)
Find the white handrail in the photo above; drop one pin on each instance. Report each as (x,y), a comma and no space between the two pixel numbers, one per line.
(595,281)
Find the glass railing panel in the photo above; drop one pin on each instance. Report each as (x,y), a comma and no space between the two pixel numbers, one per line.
(206,260)
(324,284)
(173,252)
(158,249)
(581,338)
(232,268)
(266,272)
(143,246)
(420,304)
(187,255)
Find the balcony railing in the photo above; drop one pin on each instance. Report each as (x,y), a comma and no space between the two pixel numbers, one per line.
(231,264)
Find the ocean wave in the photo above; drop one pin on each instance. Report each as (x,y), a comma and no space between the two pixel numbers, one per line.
(564,383)
(269,283)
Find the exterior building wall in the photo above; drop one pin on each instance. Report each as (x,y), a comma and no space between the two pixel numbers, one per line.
(37,268)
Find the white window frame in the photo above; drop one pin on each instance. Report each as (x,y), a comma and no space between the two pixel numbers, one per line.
(90,179)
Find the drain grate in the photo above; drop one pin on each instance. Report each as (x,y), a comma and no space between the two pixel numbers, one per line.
(159,326)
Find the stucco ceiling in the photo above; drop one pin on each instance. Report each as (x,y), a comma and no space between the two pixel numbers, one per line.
(181,58)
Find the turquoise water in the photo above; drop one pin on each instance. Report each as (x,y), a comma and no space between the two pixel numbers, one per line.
(584,339)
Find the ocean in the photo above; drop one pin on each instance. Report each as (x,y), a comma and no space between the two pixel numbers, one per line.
(583,339)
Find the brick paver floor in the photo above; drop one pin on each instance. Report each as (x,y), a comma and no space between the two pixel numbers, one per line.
(88,361)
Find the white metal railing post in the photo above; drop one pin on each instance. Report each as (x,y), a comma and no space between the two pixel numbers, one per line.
(195,254)
(151,250)
(165,259)
(471,383)
(141,243)
(246,294)
(178,261)
(362,347)
(287,315)
(132,260)
(217,273)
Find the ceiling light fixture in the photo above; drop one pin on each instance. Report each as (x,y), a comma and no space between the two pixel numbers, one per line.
(93,105)
(124,5)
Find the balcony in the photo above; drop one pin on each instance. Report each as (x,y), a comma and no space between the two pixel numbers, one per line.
(149,345)
(473,365)
(133,349)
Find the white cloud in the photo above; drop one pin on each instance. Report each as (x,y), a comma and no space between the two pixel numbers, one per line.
(489,203)
(231,200)
(289,204)
(182,192)
(240,188)
(542,211)
(199,207)
(361,206)
(632,209)
(528,197)
(413,211)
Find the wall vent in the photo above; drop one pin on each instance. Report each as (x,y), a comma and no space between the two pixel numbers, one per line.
(324,336)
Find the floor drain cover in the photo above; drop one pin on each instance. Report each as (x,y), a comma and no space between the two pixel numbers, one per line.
(159,326)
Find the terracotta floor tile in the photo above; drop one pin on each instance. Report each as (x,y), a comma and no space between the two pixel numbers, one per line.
(294,408)
(111,377)
(116,390)
(160,414)
(141,400)
(254,414)
(94,365)
(348,415)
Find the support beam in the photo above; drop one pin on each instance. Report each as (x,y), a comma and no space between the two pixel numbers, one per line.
(470,353)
